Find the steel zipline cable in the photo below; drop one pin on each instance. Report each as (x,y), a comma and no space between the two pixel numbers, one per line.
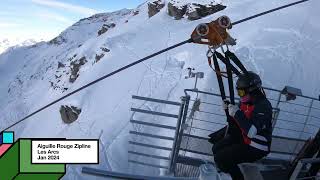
(139,61)
(267,12)
(97,80)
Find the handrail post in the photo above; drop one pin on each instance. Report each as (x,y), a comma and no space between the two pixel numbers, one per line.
(278,111)
(305,124)
(183,101)
(307,118)
(179,132)
(275,117)
(296,171)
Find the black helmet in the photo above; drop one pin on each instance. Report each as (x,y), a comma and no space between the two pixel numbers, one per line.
(249,81)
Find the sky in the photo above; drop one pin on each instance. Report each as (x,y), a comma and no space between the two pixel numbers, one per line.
(45,19)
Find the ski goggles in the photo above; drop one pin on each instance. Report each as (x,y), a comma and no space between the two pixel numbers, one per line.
(241,92)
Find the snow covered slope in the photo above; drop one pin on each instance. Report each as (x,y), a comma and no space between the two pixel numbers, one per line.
(281,47)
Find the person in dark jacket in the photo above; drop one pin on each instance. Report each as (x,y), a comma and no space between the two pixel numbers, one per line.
(250,129)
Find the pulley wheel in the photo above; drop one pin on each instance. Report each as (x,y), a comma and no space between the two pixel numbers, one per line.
(202,29)
(224,22)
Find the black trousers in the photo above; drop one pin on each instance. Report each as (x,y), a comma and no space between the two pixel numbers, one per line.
(229,152)
(233,131)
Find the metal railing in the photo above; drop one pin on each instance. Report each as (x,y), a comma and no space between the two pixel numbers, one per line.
(300,165)
(158,126)
(126,176)
(177,132)
(195,121)
(209,118)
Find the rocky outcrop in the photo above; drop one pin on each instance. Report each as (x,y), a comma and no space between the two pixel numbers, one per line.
(102,30)
(105,28)
(104,49)
(155,7)
(136,12)
(69,114)
(111,25)
(198,11)
(104,17)
(193,11)
(58,40)
(176,11)
(98,57)
(61,65)
(75,67)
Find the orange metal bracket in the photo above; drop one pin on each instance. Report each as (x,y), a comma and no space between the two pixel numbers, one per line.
(214,33)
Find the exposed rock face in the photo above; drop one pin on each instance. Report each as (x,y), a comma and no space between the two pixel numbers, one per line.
(193,11)
(58,40)
(105,49)
(98,57)
(111,25)
(60,65)
(75,67)
(102,30)
(198,11)
(176,11)
(69,114)
(155,7)
(136,12)
(105,28)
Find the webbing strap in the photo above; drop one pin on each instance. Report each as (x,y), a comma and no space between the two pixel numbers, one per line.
(222,58)
(236,60)
(219,78)
(216,71)
(220,81)
(230,80)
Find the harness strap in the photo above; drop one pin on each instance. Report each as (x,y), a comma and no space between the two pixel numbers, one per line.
(236,60)
(216,71)
(230,80)
(221,87)
(222,58)
(220,81)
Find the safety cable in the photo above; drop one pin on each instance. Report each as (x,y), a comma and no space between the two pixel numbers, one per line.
(267,12)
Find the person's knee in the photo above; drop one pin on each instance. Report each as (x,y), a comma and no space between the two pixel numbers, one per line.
(221,144)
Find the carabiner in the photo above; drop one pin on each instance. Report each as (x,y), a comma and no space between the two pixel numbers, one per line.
(209,53)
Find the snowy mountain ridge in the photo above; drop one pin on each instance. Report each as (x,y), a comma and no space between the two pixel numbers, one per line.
(282,52)
(6,44)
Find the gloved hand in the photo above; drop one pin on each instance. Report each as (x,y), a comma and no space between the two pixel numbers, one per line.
(233,109)
(225,104)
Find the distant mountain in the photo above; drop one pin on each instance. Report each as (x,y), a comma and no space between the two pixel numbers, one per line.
(15,42)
